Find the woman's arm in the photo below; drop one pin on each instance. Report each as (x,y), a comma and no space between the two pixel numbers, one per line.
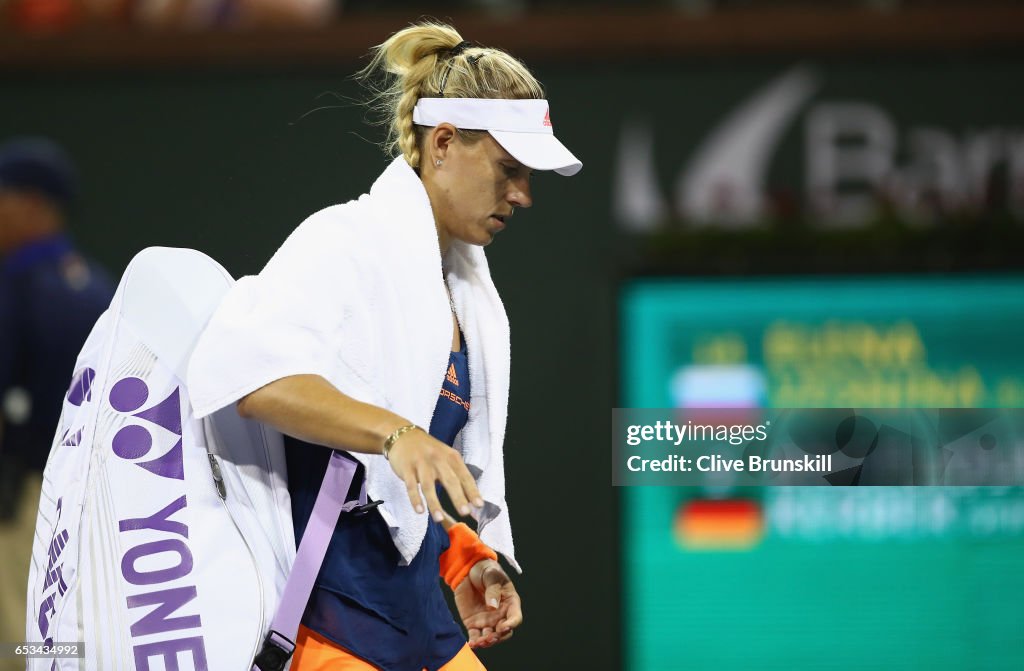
(310,408)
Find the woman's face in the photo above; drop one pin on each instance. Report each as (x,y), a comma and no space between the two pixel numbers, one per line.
(474,189)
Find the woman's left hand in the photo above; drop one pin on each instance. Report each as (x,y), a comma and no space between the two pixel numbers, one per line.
(488,604)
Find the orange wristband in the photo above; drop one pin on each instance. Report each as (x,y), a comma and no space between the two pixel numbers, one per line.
(465,550)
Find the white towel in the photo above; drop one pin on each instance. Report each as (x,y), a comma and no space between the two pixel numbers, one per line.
(356,295)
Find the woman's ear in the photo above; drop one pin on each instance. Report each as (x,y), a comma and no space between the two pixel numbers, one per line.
(439,141)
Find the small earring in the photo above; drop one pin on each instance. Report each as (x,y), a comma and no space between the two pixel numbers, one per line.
(437,162)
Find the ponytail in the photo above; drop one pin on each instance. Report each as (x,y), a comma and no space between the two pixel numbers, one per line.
(418,61)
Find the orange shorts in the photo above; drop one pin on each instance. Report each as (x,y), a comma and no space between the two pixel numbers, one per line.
(313,652)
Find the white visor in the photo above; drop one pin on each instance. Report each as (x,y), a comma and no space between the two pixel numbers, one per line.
(522,127)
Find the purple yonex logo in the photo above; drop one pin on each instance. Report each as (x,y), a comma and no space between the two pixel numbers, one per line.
(135,441)
(158,558)
(151,565)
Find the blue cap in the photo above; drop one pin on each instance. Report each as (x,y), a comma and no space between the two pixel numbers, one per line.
(40,165)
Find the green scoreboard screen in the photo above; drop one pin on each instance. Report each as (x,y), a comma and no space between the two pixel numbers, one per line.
(816,577)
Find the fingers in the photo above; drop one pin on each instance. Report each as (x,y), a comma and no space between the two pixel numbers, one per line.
(458,482)
(503,603)
(507,625)
(513,614)
(423,461)
(453,486)
(485,638)
(412,488)
(468,485)
(492,595)
(491,627)
(426,477)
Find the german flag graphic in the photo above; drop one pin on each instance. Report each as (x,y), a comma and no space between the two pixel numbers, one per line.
(726,524)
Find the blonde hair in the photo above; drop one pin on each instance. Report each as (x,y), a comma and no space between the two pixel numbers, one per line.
(412,64)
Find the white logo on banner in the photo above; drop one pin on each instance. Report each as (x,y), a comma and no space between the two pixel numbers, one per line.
(850,164)
(724,180)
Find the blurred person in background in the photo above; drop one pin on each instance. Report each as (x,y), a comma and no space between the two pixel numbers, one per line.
(50,296)
(378,317)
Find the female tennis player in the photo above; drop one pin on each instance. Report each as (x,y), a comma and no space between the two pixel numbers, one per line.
(376,330)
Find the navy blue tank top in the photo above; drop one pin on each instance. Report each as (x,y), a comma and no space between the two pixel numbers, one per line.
(393,617)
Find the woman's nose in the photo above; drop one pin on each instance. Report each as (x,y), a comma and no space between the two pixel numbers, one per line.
(519,196)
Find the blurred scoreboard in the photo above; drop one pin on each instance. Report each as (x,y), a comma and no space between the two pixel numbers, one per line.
(823,578)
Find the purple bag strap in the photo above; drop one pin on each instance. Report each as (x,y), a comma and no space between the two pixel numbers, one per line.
(330,502)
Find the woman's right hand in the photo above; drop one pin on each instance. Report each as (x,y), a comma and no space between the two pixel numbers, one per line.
(312,409)
(421,461)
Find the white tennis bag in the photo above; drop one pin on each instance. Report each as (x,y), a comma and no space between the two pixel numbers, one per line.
(162,542)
